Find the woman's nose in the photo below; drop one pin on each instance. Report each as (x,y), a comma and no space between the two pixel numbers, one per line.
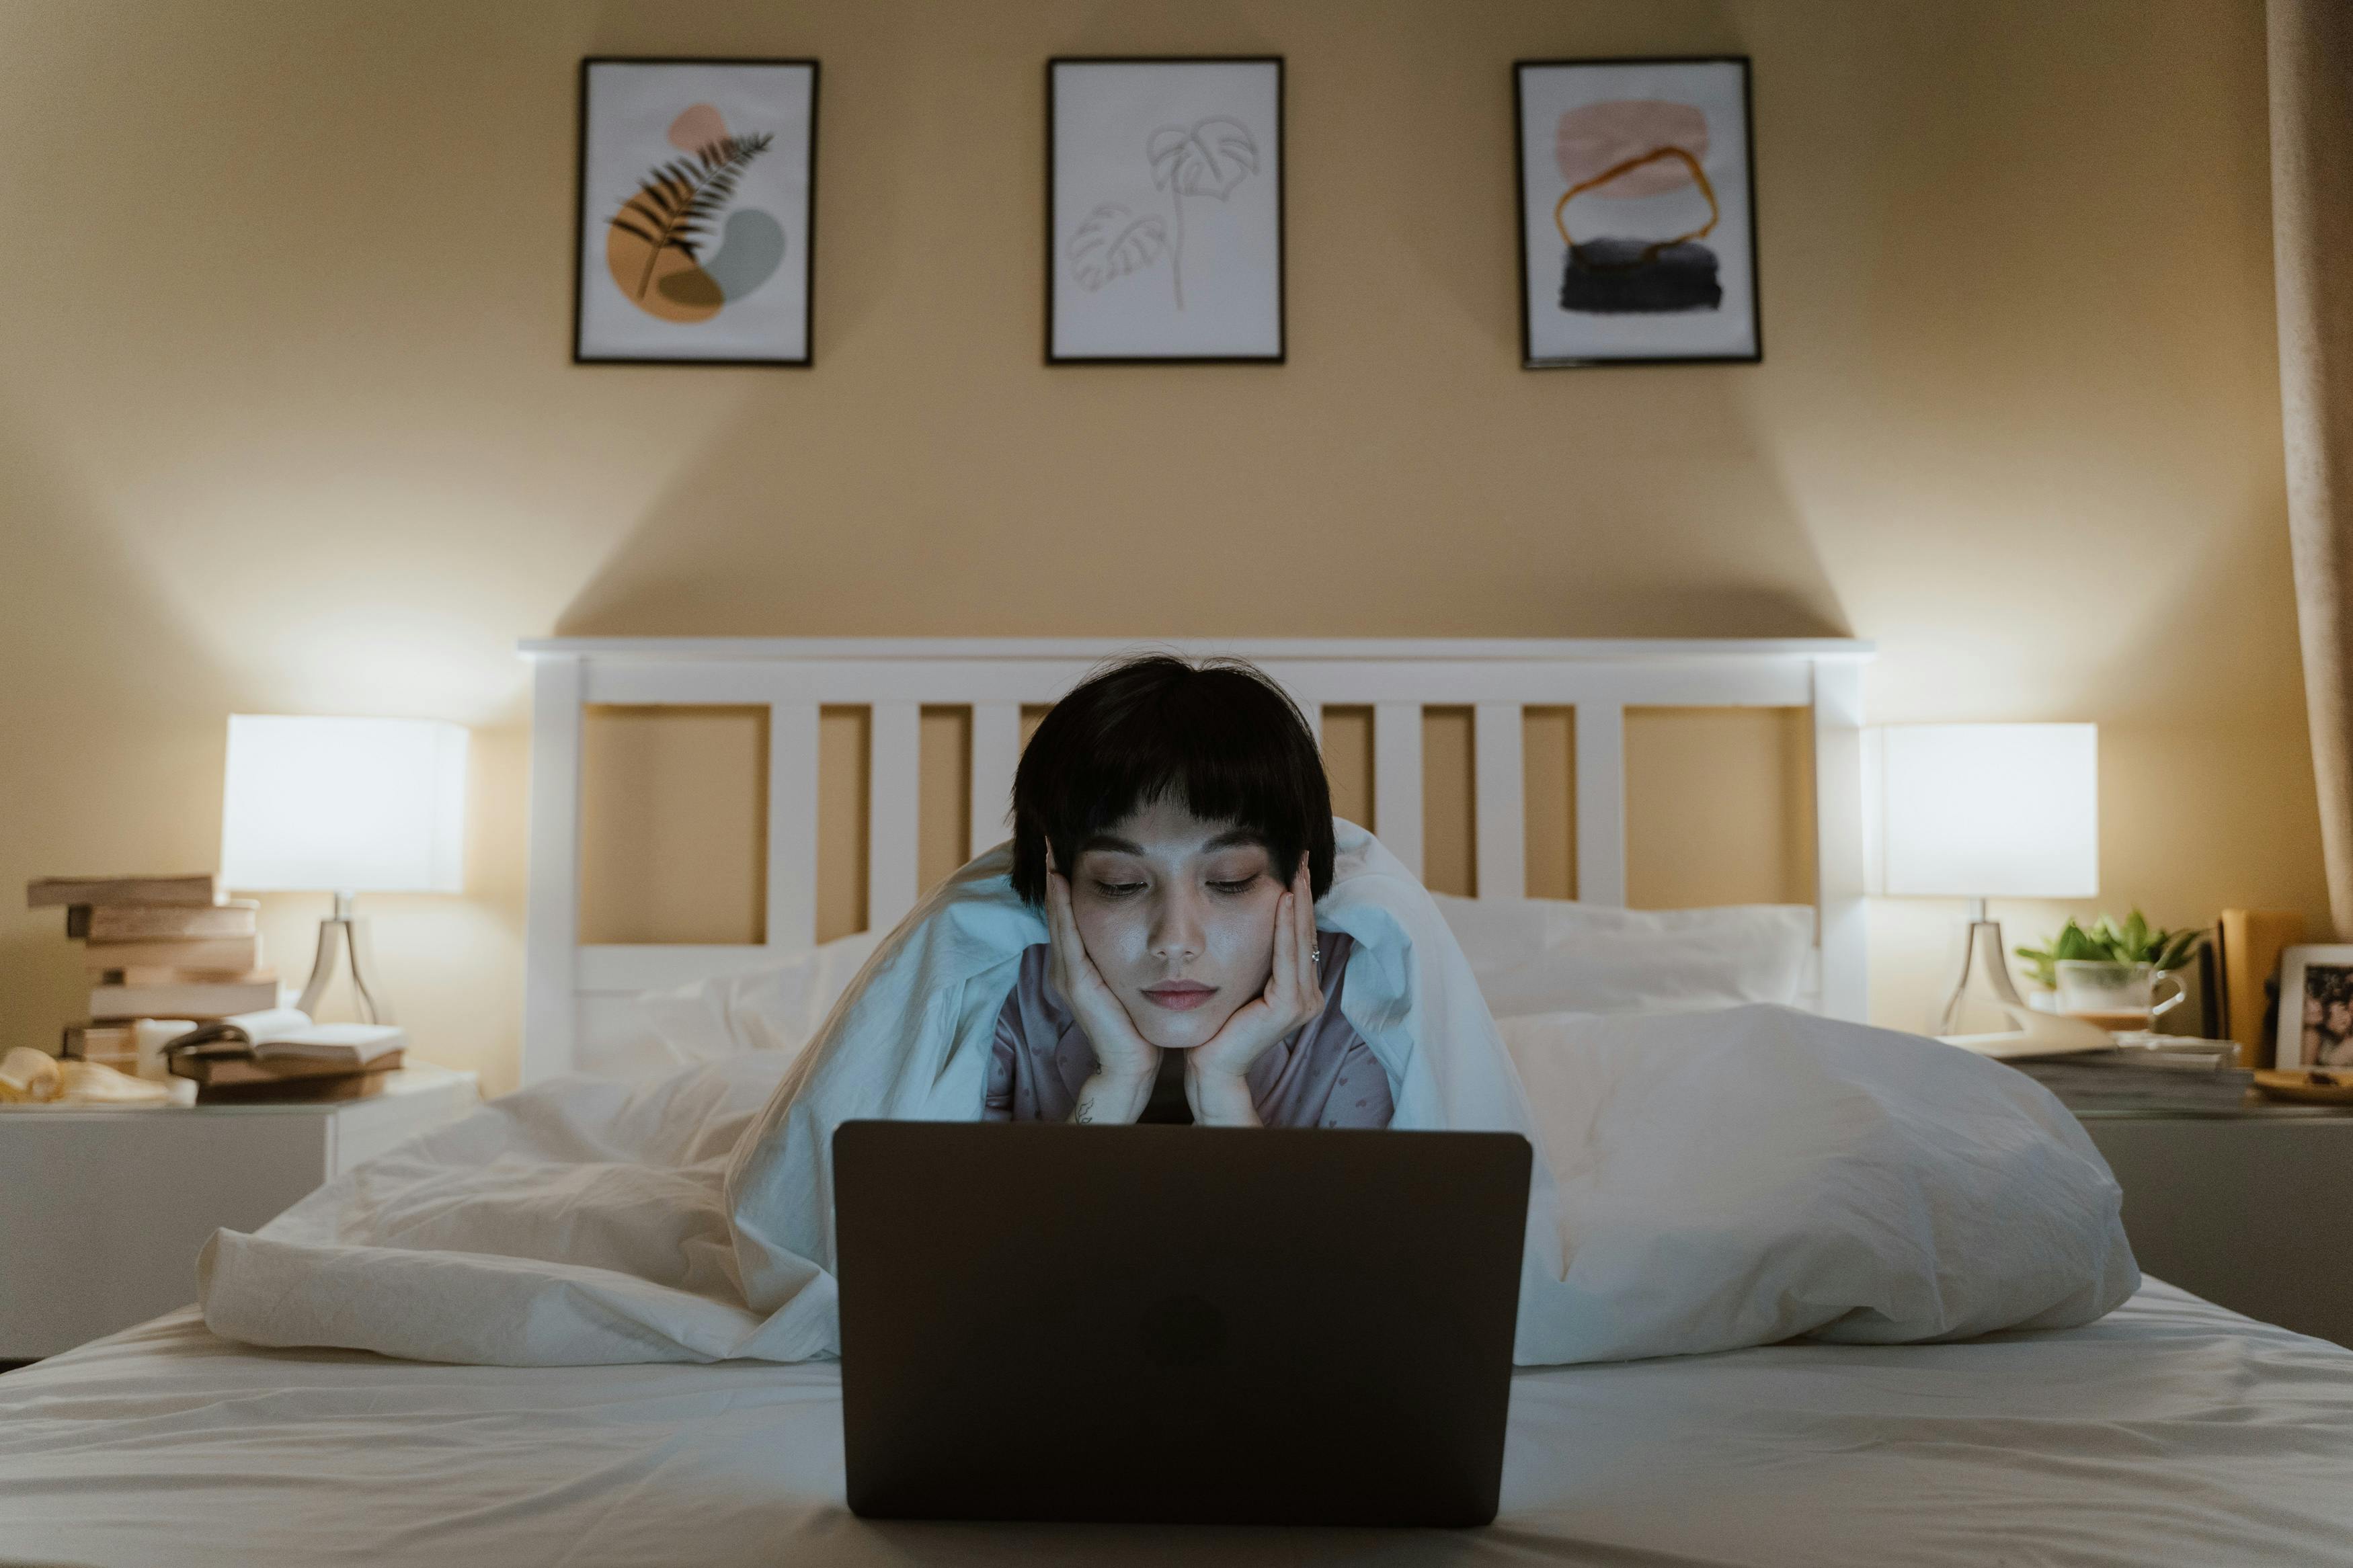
(1176,927)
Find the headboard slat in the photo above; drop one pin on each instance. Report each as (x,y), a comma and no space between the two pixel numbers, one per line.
(996,753)
(1601,804)
(1837,714)
(551,918)
(792,826)
(1397,780)
(893,812)
(1500,826)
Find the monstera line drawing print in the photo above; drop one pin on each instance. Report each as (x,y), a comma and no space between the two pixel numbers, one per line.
(695,194)
(1168,170)
(1204,160)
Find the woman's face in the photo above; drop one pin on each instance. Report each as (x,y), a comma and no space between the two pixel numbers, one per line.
(1178,916)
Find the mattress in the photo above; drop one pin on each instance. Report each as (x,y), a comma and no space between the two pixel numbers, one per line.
(2170,1431)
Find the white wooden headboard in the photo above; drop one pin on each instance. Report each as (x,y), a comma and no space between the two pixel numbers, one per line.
(793,677)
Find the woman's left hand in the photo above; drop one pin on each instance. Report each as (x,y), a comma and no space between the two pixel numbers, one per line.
(1214,1083)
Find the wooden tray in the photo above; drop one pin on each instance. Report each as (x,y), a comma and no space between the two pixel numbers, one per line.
(2310,1086)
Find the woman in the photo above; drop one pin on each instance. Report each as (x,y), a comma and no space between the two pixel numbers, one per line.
(1174,822)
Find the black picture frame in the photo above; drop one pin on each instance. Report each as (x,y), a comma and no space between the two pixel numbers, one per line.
(1280,354)
(581,353)
(1530,359)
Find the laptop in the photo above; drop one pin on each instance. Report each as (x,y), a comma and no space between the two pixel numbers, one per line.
(1176,1325)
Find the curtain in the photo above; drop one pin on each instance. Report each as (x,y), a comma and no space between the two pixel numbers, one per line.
(2311,49)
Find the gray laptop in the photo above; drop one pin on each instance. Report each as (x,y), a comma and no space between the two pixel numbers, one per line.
(1176,1325)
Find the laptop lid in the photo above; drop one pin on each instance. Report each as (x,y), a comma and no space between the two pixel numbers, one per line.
(1176,1325)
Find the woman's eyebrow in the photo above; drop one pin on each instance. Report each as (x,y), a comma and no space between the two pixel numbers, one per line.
(1112,844)
(1235,839)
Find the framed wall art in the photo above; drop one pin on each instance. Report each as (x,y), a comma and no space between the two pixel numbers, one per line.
(1164,210)
(1638,211)
(697,212)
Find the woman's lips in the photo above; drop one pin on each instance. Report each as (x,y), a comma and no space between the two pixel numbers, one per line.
(1181,997)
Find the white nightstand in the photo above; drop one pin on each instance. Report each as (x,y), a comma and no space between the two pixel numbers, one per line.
(102,1212)
(2235,1206)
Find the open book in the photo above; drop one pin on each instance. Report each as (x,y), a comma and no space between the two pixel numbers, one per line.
(287,1035)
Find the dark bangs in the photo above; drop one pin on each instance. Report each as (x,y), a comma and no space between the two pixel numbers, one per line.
(1218,736)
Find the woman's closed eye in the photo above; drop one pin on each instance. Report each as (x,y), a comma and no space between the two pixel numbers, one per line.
(1230,886)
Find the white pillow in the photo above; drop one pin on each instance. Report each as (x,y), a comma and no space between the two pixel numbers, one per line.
(776,1007)
(1735,1178)
(1549,955)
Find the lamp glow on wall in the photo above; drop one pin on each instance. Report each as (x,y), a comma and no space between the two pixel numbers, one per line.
(1978,812)
(344,806)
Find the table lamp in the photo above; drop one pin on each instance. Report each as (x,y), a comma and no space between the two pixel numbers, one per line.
(344,806)
(1986,811)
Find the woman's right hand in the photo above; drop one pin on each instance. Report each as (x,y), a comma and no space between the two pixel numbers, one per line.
(1125,1062)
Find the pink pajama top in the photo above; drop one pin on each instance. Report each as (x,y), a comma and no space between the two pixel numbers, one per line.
(1322,1075)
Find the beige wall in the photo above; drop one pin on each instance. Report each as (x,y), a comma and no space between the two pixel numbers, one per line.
(287,420)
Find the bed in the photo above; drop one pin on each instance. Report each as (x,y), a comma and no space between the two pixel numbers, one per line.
(2169,1431)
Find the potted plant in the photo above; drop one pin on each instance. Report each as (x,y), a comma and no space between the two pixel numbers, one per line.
(2133,942)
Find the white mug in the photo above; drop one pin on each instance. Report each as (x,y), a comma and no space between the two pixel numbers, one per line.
(2115,995)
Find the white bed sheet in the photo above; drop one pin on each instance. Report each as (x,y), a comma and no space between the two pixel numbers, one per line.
(2171,1431)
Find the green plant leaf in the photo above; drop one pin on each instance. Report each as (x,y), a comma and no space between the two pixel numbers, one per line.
(2133,941)
(2040,964)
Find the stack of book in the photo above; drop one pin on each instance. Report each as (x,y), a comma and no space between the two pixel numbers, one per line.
(156,947)
(2190,1076)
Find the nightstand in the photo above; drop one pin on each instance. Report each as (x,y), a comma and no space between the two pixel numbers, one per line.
(2237,1206)
(102,1211)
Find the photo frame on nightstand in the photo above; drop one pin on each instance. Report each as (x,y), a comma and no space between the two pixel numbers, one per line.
(2315,1007)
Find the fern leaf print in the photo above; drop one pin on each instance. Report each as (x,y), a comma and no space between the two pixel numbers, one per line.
(658,245)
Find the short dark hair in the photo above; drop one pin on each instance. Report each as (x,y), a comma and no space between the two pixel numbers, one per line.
(1216,735)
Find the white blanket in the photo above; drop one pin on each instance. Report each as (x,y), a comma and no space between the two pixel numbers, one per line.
(1723,1179)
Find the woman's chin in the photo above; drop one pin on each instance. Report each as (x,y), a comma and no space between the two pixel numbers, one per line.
(1177,1028)
(1183,1033)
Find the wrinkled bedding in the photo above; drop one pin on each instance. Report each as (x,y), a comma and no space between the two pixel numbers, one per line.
(1704,1181)
(2170,1432)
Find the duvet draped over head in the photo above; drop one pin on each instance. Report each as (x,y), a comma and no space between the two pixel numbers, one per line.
(1703,1181)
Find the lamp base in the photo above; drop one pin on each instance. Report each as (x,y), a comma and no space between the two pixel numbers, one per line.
(347,931)
(1981,952)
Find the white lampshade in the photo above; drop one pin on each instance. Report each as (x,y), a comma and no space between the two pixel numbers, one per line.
(1988,811)
(343,805)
